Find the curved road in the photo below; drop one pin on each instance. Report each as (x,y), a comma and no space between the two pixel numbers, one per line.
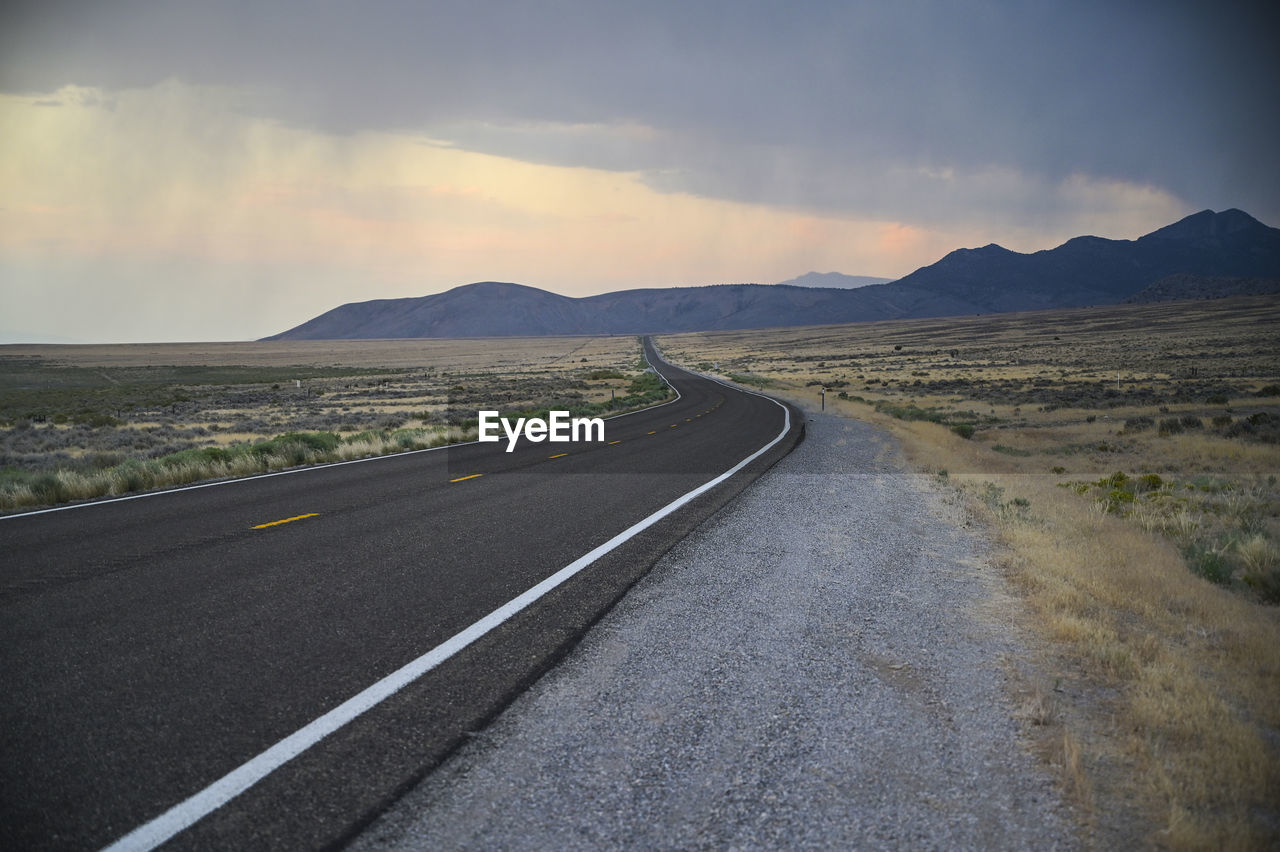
(179,665)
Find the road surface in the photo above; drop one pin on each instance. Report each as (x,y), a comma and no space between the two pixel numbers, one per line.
(159,653)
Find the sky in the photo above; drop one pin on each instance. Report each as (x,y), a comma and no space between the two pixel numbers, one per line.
(176,170)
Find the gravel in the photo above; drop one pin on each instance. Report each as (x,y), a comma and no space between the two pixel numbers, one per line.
(816,666)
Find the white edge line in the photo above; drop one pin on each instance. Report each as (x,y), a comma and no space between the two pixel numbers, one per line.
(186,813)
(308,468)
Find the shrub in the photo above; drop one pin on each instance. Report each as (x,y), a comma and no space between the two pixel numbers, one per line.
(134,475)
(1208,563)
(1265,585)
(750,379)
(1171,426)
(1117,499)
(202,455)
(1149,482)
(1011,451)
(1116,480)
(964,430)
(1190,421)
(910,412)
(1138,424)
(1260,567)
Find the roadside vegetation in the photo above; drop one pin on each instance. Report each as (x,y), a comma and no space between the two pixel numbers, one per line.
(84,422)
(1126,459)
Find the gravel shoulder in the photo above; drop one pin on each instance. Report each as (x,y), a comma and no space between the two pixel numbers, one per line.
(821,664)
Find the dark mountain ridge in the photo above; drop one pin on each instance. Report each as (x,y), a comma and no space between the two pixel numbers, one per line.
(1085,270)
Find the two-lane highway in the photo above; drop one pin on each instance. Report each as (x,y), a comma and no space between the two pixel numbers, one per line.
(269,662)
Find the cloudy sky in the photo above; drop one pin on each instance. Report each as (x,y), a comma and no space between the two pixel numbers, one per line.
(220,171)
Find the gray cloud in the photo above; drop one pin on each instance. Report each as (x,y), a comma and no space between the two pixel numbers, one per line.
(840,106)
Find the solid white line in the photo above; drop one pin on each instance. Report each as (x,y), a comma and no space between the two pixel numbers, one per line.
(294,470)
(186,813)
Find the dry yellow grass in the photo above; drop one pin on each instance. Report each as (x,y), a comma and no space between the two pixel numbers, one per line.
(1164,714)
(492,354)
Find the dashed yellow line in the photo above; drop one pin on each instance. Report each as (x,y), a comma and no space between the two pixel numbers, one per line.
(619,441)
(285,521)
(465,478)
(558,456)
(654,432)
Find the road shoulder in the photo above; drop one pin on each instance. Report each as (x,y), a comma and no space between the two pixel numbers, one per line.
(822,663)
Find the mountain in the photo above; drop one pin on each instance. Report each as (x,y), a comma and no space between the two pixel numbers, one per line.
(1093,270)
(991,279)
(496,309)
(833,279)
(1182,287)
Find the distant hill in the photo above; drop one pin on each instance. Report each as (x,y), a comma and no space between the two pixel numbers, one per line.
(496,309)
(1179,287)
(833,279)
(1092,270)
(1082,271)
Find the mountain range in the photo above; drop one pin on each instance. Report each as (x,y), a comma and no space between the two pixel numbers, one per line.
(1082,271)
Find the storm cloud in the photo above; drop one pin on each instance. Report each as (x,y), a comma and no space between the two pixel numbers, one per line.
(802,104)
(869,137)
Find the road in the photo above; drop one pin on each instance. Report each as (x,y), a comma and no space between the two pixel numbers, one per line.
(184,665)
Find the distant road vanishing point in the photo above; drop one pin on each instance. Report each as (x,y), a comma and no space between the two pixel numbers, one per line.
(269,662)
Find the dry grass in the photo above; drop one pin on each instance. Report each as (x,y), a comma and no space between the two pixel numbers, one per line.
(507,355)
(1165,724)
(134,475)
(88,421)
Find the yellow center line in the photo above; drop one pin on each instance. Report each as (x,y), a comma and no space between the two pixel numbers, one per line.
(558,456)
(673,425)
(285,521)
(654,432)
(688,420)
(464,478)
(619,441)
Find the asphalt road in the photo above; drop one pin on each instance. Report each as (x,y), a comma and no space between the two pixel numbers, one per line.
(152,646)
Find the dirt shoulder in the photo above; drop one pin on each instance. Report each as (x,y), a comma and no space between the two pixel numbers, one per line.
(825,663)
(1124,462)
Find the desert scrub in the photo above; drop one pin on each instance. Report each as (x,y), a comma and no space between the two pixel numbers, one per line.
(1222,526)
(49,464)
(751,379)
(20,489)
(1169,679)
(643,391)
